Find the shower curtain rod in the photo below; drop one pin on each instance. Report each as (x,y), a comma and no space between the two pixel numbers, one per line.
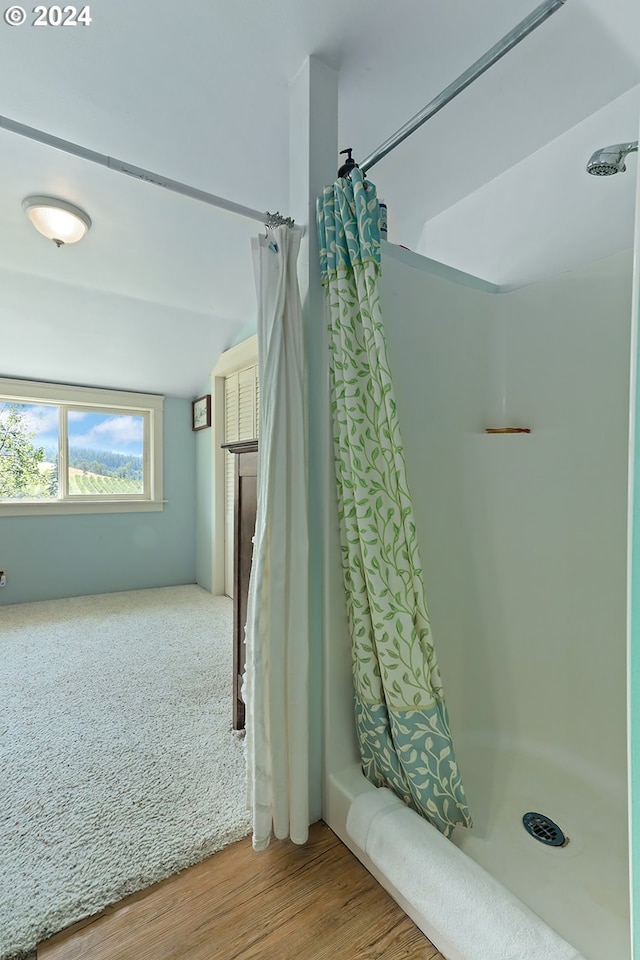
(139,173)
(498,50)
(519,32)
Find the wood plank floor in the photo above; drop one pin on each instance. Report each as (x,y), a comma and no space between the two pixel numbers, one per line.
(315,902)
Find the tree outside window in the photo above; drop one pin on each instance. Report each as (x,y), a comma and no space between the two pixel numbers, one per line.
(24,470)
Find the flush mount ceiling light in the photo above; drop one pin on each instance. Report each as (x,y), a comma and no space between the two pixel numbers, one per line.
(56,219)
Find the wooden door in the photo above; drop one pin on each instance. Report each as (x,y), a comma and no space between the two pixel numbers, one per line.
(245,506)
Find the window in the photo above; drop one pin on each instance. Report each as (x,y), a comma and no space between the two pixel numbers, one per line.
(78,450)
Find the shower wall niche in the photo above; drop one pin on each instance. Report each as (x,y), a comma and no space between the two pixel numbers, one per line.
(523,544)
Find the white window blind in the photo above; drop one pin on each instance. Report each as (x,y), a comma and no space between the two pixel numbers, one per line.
(241,400)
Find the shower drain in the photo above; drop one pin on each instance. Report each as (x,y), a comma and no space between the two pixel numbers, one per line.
(544,829)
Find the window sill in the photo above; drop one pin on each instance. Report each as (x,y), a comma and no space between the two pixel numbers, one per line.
(66,507)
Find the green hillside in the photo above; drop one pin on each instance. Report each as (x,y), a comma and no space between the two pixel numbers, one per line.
(91,484)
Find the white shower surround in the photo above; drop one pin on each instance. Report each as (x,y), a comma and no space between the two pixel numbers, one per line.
(523,540)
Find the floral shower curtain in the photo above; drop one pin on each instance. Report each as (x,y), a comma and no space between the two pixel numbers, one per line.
(401,717)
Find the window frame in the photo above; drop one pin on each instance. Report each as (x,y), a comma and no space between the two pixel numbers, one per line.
(93,400)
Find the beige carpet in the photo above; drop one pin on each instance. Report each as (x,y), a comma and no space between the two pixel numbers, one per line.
(118,765)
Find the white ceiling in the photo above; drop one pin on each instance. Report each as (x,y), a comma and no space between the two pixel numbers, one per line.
(198,91)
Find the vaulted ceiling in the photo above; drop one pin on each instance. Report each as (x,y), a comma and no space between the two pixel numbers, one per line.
(494,184)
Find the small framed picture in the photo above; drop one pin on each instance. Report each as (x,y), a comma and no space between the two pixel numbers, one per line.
(201,413)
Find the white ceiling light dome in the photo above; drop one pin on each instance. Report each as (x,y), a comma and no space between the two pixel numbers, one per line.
(57,220)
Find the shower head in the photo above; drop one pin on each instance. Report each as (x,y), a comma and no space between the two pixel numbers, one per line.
(609,160)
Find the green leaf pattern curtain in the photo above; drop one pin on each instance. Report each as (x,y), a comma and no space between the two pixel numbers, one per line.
(401,717)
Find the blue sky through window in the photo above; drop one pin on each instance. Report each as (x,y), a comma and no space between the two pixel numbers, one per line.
(119,433)
(40,420)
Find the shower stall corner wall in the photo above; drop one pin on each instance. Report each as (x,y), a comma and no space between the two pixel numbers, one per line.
(523,542)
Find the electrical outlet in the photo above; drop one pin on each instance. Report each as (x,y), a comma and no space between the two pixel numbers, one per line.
(3,578)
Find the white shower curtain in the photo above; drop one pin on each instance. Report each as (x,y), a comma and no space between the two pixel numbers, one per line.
(277,616)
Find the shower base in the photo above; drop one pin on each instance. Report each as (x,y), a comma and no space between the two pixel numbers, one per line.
(581,889)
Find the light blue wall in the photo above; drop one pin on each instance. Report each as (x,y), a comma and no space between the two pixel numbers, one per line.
(50,557)
(248,330)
